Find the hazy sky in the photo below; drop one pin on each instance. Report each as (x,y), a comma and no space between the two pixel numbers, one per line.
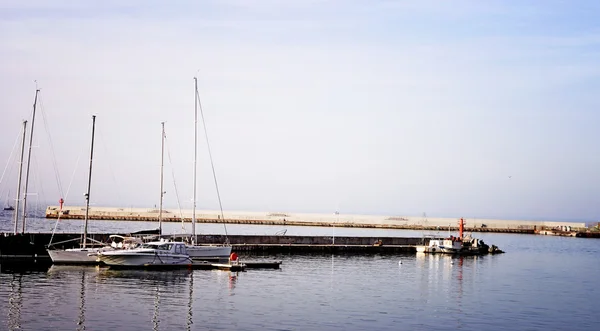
(452,108)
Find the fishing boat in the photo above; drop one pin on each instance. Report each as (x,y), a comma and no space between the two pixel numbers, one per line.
(463,245)
(447,246)
(162,253)
(86,253)
(195,251)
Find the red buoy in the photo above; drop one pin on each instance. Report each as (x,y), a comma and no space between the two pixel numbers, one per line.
(233,257)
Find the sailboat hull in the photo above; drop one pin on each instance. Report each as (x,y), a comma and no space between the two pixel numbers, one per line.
(74,256)
(139,260)
(161,253)
(208,252)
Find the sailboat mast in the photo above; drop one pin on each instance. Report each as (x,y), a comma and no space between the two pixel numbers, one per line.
(29,161)
(162,192)
(87,195)
(195,157)
(19,180)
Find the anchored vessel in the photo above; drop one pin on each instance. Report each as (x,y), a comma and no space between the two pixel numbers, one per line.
(464,245)
(84,254)
(158,253)
(195,251)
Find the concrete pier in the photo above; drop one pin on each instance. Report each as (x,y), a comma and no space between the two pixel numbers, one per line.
(307,219)
(32,246)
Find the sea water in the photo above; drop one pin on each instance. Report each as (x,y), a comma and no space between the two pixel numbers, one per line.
(540,283)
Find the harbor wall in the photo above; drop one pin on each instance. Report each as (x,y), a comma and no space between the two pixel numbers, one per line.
(308,219)
(32,246)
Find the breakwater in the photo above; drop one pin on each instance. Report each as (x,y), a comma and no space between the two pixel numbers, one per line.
(306,219)
(32,246)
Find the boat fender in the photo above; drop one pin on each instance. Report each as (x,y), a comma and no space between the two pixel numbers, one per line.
(233,257)
(433,250)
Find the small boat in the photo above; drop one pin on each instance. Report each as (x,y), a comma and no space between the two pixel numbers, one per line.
(447,246)
(89,255)
(464,245)
(157,253)
(7,205)
(82,255)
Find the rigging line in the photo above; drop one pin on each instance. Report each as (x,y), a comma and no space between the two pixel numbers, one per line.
(174,184)
(11,155)
(47,129)
(37,183)
(212,164)
(66,195)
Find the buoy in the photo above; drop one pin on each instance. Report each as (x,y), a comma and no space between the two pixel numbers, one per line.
(399,262)
(233,257)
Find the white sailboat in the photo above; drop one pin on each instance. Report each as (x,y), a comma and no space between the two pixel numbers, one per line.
(194,250)
(83,254)
(158,253)
(7,205)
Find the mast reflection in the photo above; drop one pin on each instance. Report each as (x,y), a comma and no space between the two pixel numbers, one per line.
(81,316)
(15,302)
(190,315)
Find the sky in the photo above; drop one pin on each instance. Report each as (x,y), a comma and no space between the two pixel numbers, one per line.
(466,108)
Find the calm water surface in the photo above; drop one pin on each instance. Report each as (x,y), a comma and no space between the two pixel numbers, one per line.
(541,283)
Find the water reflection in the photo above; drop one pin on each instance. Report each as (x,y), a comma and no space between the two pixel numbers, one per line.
(15,302)
(81,320)
(190,311)
(155,287)
(145,277)
(442,276)
(155,320)
(232,281)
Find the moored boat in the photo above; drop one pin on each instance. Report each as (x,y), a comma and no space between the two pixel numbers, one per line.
(464,245)
(74,255)
(157,253)
(447,246)
(208,252)
(82,255)
(88,255)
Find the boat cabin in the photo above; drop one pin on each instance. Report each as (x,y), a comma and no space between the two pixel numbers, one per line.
(166,247)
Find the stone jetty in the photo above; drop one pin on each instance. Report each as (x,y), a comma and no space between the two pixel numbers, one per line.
(311,219)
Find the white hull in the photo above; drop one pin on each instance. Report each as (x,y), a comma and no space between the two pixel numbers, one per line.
(74,255)
(139,260)
(431,250)
(209,252)
(441,246)
(153,254)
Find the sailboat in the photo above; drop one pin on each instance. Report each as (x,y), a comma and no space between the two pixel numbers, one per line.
(84,254)
(195,251)
(7,206)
